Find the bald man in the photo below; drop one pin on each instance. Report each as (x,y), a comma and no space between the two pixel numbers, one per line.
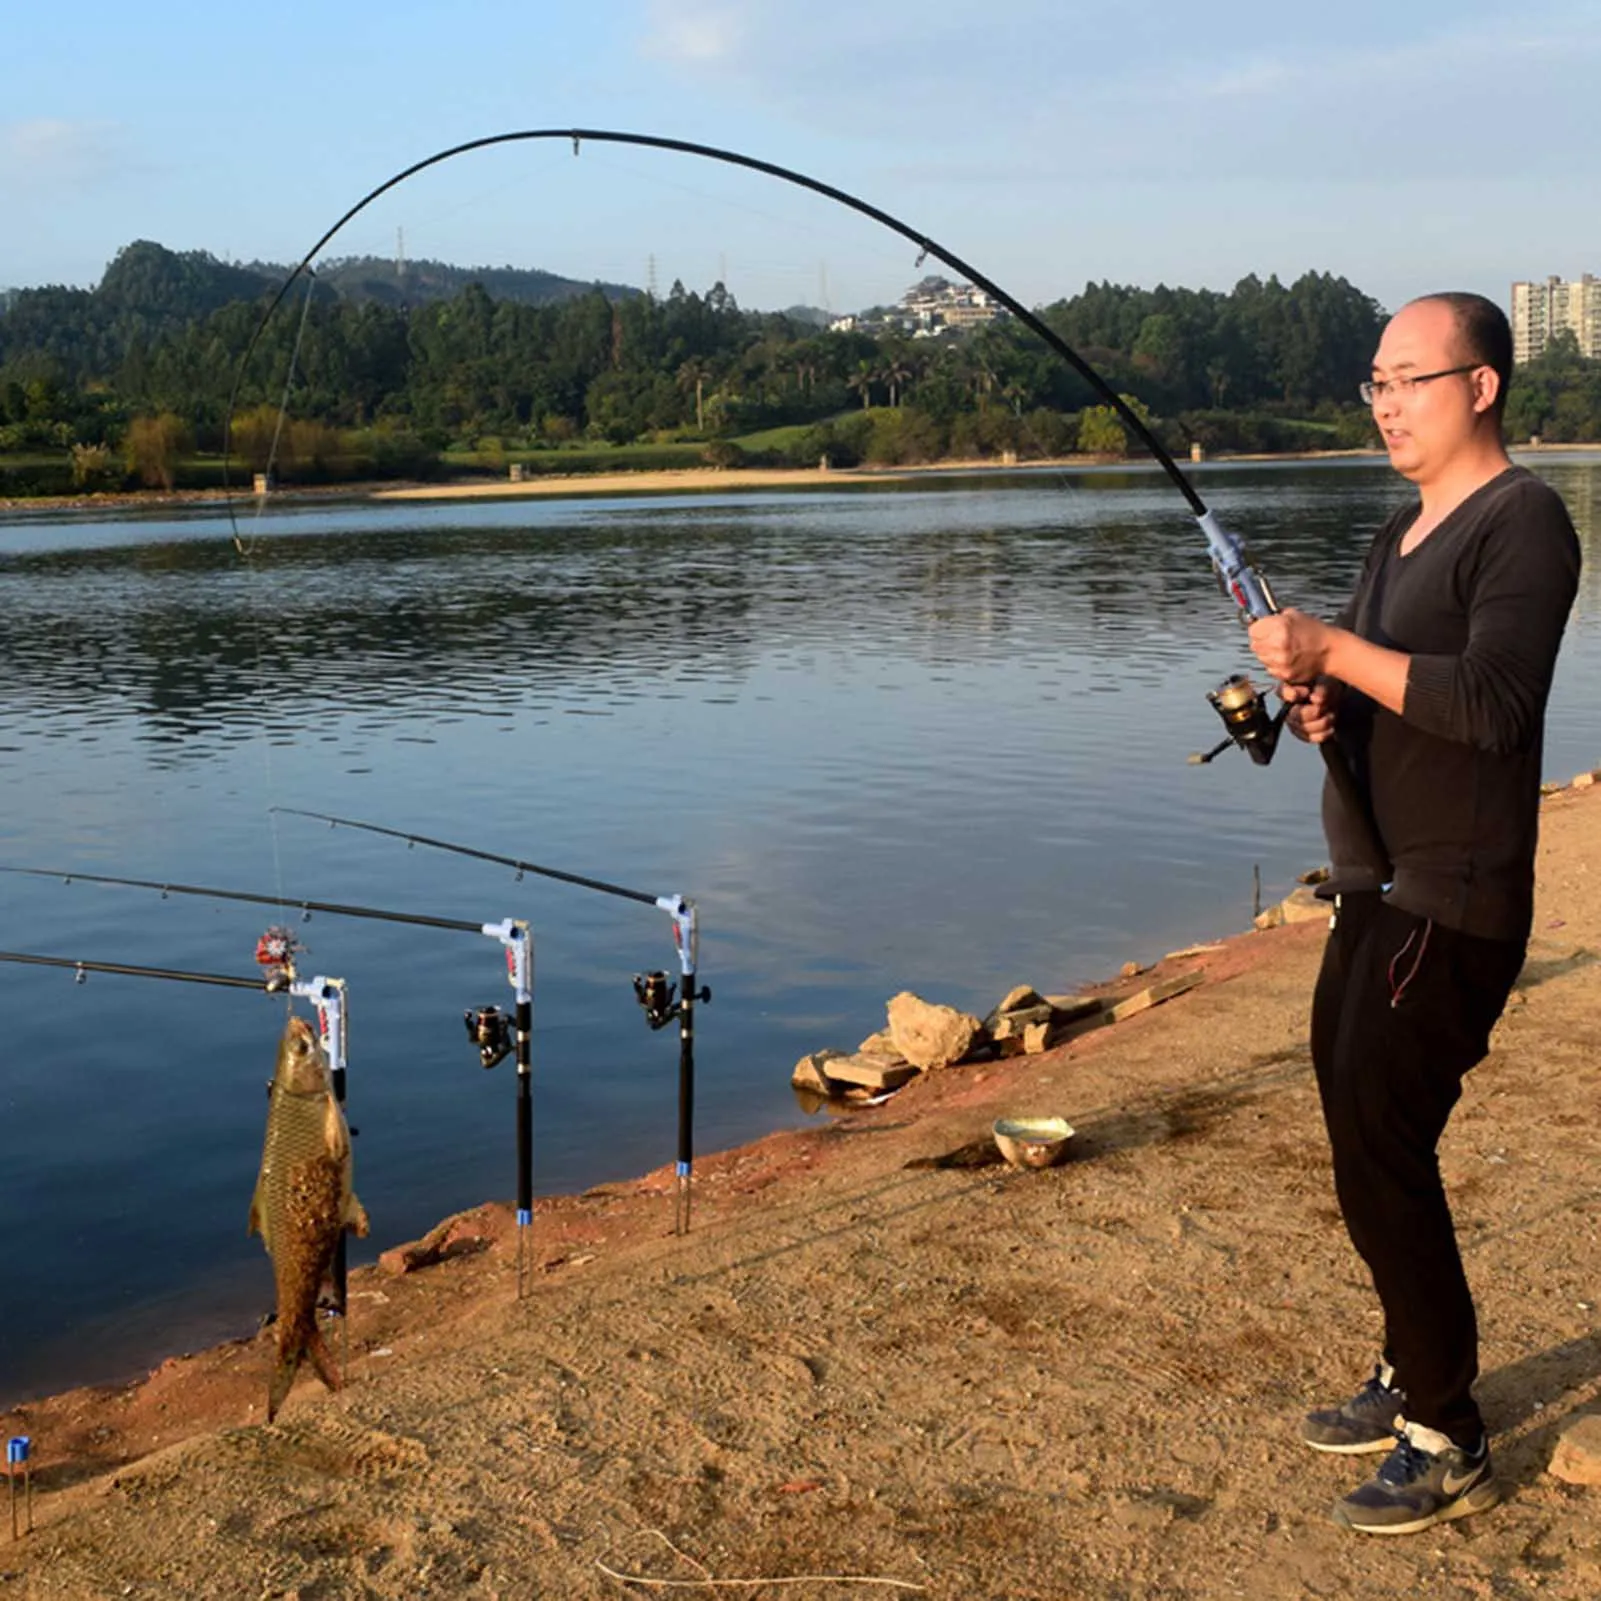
(1433,680)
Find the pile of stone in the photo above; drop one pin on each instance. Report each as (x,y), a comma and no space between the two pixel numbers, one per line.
(922,1037)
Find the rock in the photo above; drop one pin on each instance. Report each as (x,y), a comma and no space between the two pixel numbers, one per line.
(1313,875)
(1008,1025)
(1016,999)
(930,1036)
(810,1073)
(1303,906)
(1268,917)
(1069,1007)
(1154,995)
(1130,970)
(460,1235)
(879,1044)
(1577,1457)
(872,1073)
(1037,1037)
(1584,780)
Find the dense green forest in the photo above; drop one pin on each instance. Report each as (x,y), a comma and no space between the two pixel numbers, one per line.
(406,374)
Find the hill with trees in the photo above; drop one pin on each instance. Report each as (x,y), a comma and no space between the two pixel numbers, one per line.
(395,371)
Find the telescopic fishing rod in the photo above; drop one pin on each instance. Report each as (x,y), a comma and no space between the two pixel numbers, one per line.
(1241,706)
(654,991)
(82,968)
(487,1026)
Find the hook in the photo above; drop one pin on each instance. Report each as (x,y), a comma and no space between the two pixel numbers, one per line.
(80,974)
(575,144)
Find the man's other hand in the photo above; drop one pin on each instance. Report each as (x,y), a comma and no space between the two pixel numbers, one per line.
(1312,708)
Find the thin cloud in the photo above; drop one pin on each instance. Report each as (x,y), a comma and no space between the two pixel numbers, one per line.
(692,35)
(57,153)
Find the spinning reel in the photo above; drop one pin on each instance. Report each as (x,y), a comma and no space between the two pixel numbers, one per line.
(490,1029)
(1250,725)
(655,993)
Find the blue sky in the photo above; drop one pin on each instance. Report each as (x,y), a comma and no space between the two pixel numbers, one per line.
(1049,142)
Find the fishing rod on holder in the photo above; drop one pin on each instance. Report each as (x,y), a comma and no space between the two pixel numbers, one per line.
(327,996)
(1237,701)
(662,999)
(488,1028)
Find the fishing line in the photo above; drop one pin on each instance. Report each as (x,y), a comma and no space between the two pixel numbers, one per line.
(247,556)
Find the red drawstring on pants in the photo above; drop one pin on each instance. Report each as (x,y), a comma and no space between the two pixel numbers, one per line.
(1397,990)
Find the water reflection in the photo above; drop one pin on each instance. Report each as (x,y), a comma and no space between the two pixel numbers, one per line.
(931,736)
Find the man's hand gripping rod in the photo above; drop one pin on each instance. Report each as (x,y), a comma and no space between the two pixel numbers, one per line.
(1241,705)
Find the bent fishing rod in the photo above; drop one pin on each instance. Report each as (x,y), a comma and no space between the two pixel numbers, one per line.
(1236,701)
(654,991)
(488,1027)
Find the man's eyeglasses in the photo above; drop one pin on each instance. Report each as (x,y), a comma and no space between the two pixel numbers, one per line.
(1402,387)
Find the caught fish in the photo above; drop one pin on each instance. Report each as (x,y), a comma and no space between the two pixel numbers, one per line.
(303,1202)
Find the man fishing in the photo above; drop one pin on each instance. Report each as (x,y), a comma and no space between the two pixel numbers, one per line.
(1433,681)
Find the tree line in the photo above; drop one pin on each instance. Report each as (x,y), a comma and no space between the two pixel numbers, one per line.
(128,377)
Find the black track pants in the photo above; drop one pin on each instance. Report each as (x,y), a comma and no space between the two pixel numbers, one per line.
(1403,1008)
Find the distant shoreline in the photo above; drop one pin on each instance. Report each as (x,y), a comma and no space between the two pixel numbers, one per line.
(657,481)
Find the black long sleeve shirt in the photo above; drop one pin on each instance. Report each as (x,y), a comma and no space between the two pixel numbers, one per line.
(1454,781)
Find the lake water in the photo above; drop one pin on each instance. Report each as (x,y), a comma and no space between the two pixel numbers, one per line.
(928,735)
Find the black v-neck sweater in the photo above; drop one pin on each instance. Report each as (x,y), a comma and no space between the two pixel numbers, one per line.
(1454,781)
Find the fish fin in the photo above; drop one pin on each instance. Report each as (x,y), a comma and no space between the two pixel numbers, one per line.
(355,1218)
(322,1359)
(335,1133)
(260,1217)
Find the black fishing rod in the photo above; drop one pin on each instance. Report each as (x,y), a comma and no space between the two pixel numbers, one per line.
(654,991)
(1241,706)
(282,902)
(132,970)
(487,1027)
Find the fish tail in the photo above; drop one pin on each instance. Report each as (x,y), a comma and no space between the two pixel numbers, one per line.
(283,1376)
(322,1359)
(295,1337)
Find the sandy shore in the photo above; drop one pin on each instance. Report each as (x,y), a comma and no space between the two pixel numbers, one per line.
(704,479)
(682,480)
(696,480)
(881,1356)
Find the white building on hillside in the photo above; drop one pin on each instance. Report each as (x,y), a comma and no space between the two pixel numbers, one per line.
(1542,310)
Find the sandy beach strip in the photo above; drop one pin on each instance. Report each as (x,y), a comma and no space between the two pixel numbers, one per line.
(667,482)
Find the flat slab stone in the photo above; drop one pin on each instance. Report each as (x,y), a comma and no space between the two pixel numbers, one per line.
(870,1072)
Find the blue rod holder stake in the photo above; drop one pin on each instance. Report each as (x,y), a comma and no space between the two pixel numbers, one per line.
(17,1450)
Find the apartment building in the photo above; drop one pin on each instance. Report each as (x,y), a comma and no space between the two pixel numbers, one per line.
(1542,310)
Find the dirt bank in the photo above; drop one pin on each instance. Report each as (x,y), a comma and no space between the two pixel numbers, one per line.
(1084,1381)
